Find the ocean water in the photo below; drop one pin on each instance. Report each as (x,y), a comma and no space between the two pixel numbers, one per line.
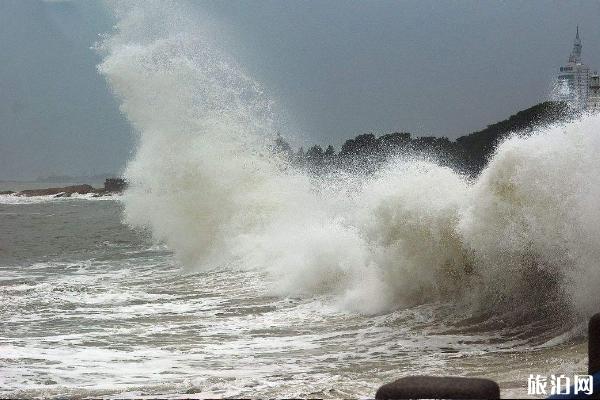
(90,307)
(225,271)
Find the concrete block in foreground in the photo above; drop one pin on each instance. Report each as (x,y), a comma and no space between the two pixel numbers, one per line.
(430,387)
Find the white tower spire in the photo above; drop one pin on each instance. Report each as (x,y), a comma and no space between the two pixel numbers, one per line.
(573,84)
(575,56)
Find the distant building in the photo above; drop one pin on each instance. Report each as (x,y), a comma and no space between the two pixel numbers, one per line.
(574,78)
(576,84)
(593,102)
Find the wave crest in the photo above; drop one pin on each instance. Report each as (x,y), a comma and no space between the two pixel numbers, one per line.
(203,180)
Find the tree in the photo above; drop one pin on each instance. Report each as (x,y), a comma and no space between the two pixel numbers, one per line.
(396,139)
(330,151)
(362,144)
(281,146)
(315,152)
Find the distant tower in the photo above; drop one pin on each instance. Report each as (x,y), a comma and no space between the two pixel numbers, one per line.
(573,83)
(575,56)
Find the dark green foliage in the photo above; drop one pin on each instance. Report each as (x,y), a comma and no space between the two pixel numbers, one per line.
(477,147)
(362,144)
(393,140)
(468,153)
(281,146)
(315,152)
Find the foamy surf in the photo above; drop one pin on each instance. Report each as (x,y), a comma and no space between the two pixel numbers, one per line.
(16,199)
(237,274)
(151,331)
(204,182)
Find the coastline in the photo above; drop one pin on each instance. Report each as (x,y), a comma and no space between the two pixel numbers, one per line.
(110,187)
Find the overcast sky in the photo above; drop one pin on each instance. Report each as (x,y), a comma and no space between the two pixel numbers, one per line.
(336,69)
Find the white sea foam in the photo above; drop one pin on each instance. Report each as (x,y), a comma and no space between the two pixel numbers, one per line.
(16,199)
(204,182)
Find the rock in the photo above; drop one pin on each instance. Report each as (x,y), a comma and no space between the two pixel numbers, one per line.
(114,185)
(64,191)
(432,387)
(111,185)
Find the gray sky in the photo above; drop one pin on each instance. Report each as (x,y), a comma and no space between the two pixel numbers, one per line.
(336,69)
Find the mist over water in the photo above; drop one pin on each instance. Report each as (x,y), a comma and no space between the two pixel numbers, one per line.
(204,181)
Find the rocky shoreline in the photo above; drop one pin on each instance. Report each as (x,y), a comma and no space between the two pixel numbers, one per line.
(468,154)
(111,186)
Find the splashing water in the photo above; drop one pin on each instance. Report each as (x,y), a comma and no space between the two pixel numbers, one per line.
(525,232)
(296,285)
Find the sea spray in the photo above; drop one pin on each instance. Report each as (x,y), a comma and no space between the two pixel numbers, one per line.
(203,181)
(203,125)
(532,219)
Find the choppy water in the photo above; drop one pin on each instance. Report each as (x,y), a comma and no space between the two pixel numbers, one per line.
(272,282)
(89,308)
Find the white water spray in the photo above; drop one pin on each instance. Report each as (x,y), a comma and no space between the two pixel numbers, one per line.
(205,183)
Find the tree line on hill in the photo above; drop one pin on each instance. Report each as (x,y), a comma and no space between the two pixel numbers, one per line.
(468,153)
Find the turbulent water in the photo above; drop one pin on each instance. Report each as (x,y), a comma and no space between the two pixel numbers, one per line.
(236,274)
(92,308)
